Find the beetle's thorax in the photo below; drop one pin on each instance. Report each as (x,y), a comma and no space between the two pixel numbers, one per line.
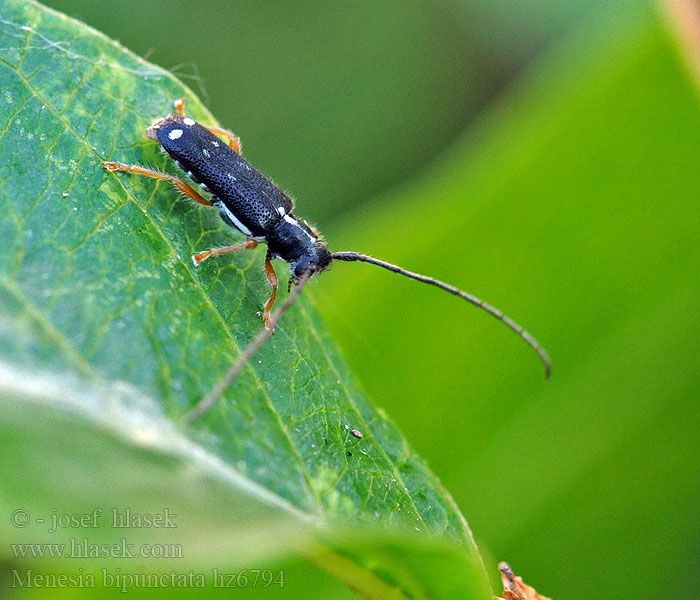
(294,241)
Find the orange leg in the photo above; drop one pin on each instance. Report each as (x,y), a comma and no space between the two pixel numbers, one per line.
(180,106)
(233,140)
(185,188)
(198,258)
(272,278)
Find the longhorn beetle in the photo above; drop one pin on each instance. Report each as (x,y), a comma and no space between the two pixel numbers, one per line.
(250,202)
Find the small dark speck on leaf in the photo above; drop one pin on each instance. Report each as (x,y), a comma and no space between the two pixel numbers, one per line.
(349,453)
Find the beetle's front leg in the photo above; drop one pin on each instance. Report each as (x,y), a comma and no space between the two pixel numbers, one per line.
(272,278)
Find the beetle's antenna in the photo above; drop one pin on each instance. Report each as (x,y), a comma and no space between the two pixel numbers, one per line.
(492,310)
(210,399)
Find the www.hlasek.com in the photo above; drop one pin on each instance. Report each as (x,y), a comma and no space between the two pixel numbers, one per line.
(125,582)
(84,548)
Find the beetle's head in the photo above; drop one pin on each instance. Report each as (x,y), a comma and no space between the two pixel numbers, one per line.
(315,259)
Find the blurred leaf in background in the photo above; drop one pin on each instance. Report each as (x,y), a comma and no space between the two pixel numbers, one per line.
(573,207)
(338,101)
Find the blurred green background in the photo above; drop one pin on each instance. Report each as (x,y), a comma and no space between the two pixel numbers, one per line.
(541,155)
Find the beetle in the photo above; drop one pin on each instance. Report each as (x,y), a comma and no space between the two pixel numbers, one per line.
(251,203)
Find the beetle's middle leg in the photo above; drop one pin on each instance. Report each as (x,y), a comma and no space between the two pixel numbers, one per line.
(198,258)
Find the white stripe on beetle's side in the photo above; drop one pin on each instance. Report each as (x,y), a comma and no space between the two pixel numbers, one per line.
(293,221)
(242,228)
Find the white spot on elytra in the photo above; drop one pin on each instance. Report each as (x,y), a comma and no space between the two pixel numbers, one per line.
(215,143)
(175,134)
(187,121)
(206,152)
(281,211)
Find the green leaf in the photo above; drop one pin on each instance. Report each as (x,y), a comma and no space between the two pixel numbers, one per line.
(110,335)
(220,518)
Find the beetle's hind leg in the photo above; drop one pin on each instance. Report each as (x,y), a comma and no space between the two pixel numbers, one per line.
(231,138)
(180,106)
(181,185)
